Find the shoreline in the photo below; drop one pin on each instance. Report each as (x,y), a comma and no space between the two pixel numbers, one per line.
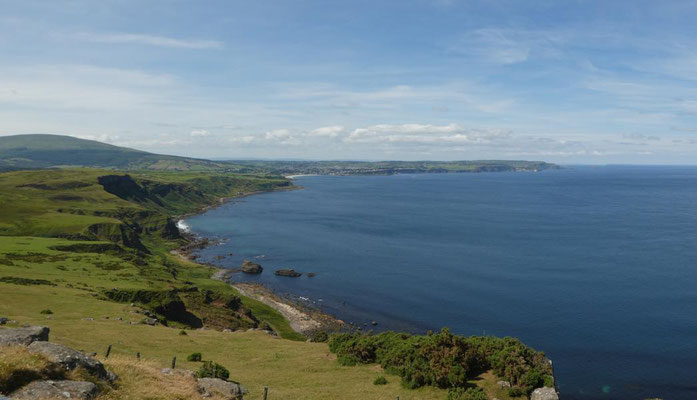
(302,319)
(223,200)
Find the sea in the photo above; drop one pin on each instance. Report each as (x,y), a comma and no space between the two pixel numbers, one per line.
(594,265)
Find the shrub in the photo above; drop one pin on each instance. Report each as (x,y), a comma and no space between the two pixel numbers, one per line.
(46,311)
(515,391)
(319,337)
(209,369)
(442,359)
(194,357)
(459,393)
(380,380)
(548,381)
(182,333)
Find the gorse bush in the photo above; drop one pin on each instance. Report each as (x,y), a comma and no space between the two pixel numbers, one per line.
(209,369)
(380,380)
(194,357)
(444,360)
(319,336)
(46,311)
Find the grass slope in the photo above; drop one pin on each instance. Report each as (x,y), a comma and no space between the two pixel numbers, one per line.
(43,151)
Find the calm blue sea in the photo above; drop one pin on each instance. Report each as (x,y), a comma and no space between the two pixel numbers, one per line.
(597,266)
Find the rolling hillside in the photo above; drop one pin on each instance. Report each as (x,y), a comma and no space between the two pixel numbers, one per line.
(45,151)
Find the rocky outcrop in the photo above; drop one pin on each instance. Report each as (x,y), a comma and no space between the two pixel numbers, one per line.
(23,336)
(228,390)
(288,272)
(57,390)
(544,393)
(249,267)
(71,359)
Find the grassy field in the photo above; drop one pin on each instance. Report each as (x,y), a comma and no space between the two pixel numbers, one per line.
(291,369)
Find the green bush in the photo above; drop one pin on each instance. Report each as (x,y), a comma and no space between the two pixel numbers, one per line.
(442,359)
(548,381)
(319,337)
(182,333)
(459,393)
(194,357)
(46,311)
(380,380)
(515,391)
(209,369)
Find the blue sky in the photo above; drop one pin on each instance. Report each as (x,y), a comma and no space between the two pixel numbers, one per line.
(564,81)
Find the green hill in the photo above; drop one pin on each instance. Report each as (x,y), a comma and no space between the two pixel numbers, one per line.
(45,151)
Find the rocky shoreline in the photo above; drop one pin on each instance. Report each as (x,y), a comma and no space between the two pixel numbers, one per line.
(303,319)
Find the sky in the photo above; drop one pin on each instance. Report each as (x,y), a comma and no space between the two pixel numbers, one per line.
(566,81)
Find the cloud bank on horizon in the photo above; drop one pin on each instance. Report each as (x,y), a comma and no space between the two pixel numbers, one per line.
(569,82)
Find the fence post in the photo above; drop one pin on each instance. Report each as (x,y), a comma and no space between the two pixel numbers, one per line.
(138,356)
(266,392)
(174,362)
(108,351)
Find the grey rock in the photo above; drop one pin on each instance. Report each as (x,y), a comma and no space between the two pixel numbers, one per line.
(71,359)
(249,267)
(150,321)
(504,384)
(23,336)
(214,386)
(288,272)
(544,393)
(57,390)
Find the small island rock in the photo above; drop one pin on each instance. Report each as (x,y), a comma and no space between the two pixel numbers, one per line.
(288,272)
(249,267)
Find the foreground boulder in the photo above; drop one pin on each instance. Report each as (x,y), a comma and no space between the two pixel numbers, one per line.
(57,390)
(249,267)
(23,336)
(71,359)
(214,386)
(544,393)
(288,272)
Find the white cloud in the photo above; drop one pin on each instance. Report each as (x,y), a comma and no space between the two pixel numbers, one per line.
(149,40)
(327,131)
(424,134)
(200,133)
(242,139)
(277,134)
